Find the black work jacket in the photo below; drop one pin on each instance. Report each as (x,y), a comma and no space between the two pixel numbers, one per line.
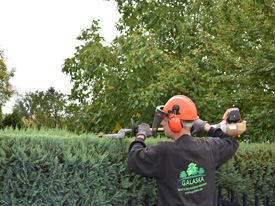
(184,169)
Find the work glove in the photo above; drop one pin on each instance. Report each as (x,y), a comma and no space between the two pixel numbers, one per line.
(198,126)
(144,129)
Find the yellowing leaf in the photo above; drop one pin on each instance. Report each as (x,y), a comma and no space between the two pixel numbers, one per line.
(117,128)
(136,115)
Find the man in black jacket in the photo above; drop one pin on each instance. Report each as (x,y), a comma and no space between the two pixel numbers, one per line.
(185,168)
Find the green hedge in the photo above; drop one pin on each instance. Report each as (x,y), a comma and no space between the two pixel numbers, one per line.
(87,170)
(250,171)
(81,170)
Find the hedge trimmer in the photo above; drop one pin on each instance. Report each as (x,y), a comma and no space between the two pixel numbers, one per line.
(231,124)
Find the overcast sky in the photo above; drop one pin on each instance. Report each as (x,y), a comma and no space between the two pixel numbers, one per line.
(38,35)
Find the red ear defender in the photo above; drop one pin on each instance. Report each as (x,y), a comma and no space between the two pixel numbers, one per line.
(175,124)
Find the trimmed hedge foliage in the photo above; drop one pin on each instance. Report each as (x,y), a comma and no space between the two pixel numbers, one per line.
(250,171)
(87,170)
(68,171)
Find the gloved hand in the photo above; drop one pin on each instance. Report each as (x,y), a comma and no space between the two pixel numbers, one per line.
(144,129)
(198,126)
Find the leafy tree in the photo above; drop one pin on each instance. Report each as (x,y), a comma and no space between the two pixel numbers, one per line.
(25,105)
(6,89)
(74,118)
(110,81)
(48,108)
(218,53)
(25,108)
(1,118)
(13,120)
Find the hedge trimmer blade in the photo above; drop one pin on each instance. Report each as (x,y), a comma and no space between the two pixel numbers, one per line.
(122,133)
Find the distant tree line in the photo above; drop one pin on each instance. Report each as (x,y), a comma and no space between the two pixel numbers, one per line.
(42,109)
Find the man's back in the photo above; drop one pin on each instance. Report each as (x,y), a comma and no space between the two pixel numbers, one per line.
(184,169)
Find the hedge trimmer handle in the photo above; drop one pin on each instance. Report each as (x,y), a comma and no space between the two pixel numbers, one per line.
(134,128)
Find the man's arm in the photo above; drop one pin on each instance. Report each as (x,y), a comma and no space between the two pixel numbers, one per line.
(140,158)
(227,144)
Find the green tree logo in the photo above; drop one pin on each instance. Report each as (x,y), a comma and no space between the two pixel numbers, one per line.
(192,169)
(192,172)
(201,171)
(183,174)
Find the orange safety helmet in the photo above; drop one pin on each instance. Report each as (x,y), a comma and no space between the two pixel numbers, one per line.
(177,108)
